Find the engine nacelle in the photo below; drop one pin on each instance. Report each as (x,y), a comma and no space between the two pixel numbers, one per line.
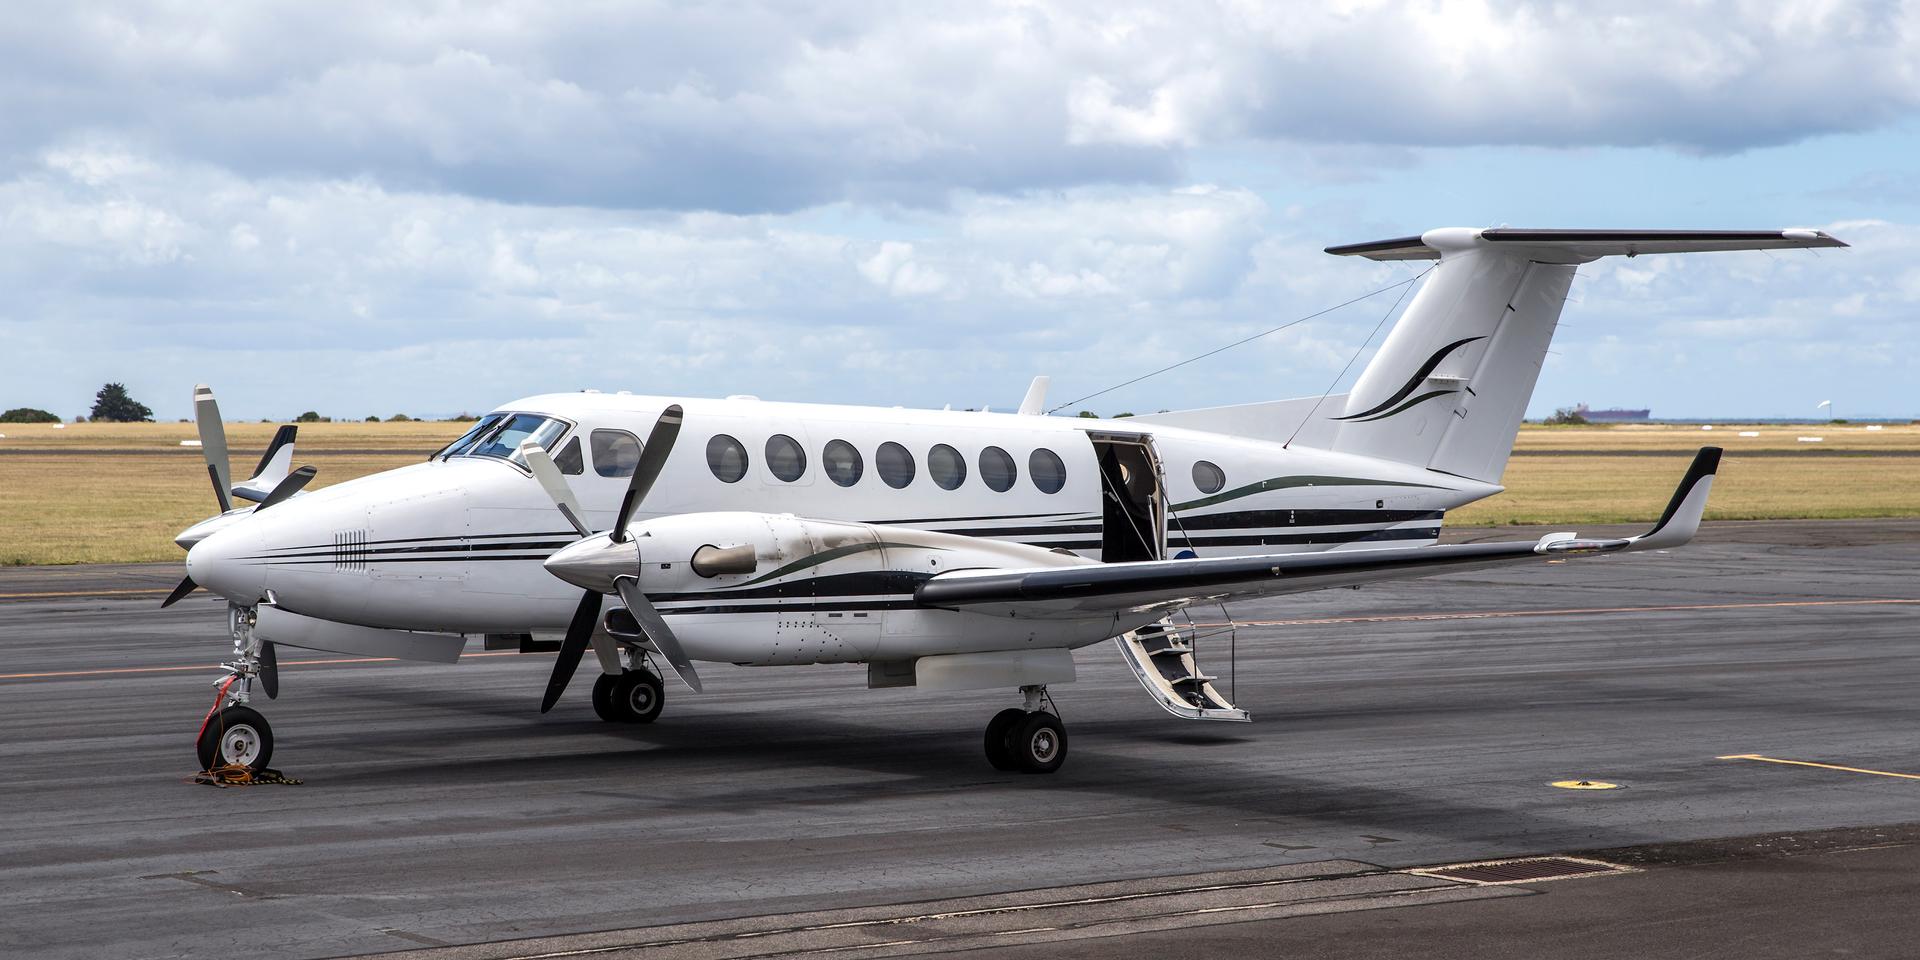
(695,553)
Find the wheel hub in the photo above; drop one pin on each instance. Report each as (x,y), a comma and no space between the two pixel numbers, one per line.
(1044,745)
(240,745)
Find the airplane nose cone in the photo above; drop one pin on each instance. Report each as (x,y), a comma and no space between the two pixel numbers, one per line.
(592,563)
(221,562)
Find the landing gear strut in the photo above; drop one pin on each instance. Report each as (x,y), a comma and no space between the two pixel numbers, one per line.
(1028,739)
(234,734)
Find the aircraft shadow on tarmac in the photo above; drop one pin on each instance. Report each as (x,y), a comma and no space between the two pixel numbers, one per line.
(737,765)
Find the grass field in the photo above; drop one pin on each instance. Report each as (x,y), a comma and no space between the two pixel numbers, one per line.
(97,493)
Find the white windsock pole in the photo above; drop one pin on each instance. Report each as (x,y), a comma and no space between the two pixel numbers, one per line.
(1826,405)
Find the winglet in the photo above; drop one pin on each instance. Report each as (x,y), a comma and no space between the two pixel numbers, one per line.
(275,465)
(1682,518)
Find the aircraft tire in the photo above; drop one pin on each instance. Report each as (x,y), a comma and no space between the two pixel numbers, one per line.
(235,736)
(636,696)
(1039,743)
(999,745)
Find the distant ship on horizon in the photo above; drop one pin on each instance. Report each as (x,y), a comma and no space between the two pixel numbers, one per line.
(1615,415)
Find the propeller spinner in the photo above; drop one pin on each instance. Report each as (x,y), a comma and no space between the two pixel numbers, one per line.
(608,563)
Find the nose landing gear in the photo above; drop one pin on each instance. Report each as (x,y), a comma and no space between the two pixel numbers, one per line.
(1028,739)
(234,734)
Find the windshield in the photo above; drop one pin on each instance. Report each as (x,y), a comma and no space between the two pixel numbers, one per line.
(468,439)
(513,430)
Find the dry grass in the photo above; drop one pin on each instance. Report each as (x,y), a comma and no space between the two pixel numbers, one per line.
(93,493)
(112,492)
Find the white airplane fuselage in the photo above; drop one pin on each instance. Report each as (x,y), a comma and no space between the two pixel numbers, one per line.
(456,544)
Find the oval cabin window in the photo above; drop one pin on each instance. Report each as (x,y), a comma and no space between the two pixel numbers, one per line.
(842,462)
(726,458)
(785,458)
(997,470)
(895,464)
(1046,470)
(1208,477)
(946,466)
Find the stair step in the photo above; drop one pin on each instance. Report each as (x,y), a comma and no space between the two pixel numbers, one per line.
(1175,649)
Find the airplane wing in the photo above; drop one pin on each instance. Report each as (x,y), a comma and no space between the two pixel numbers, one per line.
(1162,585)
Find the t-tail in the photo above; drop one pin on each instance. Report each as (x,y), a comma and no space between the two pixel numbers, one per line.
(1450,384)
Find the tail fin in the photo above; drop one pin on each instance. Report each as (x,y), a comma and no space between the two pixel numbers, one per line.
(1451,382)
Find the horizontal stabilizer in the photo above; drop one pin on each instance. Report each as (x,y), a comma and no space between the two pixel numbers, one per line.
(1580,246)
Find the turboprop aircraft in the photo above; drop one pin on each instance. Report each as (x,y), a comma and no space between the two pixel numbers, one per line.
(945,550)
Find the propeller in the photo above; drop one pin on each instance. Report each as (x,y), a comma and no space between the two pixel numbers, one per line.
(288,487)
(653,458)
(213,444)
(269,670)
(185,587)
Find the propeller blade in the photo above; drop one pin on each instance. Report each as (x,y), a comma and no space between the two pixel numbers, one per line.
(213,444)
(579,633)
(657,631)
(269,670)
(288,487)
(186,586)
(653,457)
(556,486)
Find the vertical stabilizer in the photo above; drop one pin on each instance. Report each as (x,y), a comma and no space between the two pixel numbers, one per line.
(1450,384)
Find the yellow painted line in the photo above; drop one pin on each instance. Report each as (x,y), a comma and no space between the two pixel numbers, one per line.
(1573,611)
(107,671)
(1823,766)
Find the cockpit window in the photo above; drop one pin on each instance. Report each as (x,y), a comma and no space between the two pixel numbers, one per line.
(504,440)
(468,439)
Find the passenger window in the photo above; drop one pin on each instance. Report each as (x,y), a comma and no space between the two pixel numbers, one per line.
(1208,477)
(569,461)
(997,470)
(785,458)
(615,453)
(946,466)
(726,458)
(895,465)
(1046,470)
(842,462)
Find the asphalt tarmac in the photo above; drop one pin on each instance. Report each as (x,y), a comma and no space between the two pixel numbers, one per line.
(1411,724)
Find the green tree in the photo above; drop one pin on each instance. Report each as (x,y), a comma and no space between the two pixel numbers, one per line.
(399,418)
(113,404)
(309,417)
(373,419)
(1566,417)
(28,415)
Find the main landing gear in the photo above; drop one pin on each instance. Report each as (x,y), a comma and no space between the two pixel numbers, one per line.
(635,696)
(1028,738)
(234,734)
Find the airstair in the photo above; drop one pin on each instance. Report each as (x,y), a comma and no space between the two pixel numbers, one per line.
(1162,657)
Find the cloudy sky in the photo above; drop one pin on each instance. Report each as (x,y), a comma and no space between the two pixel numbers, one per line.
(384,207)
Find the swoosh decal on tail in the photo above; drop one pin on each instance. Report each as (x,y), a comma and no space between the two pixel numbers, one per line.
(1407,389)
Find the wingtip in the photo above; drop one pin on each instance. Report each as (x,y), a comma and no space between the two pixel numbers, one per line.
(1681,520)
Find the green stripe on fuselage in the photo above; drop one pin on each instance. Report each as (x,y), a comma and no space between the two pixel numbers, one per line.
(1283,483)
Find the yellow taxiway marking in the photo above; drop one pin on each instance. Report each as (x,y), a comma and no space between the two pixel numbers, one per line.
(1584,785)
(1823,766)
(1495,614)
(105,671)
